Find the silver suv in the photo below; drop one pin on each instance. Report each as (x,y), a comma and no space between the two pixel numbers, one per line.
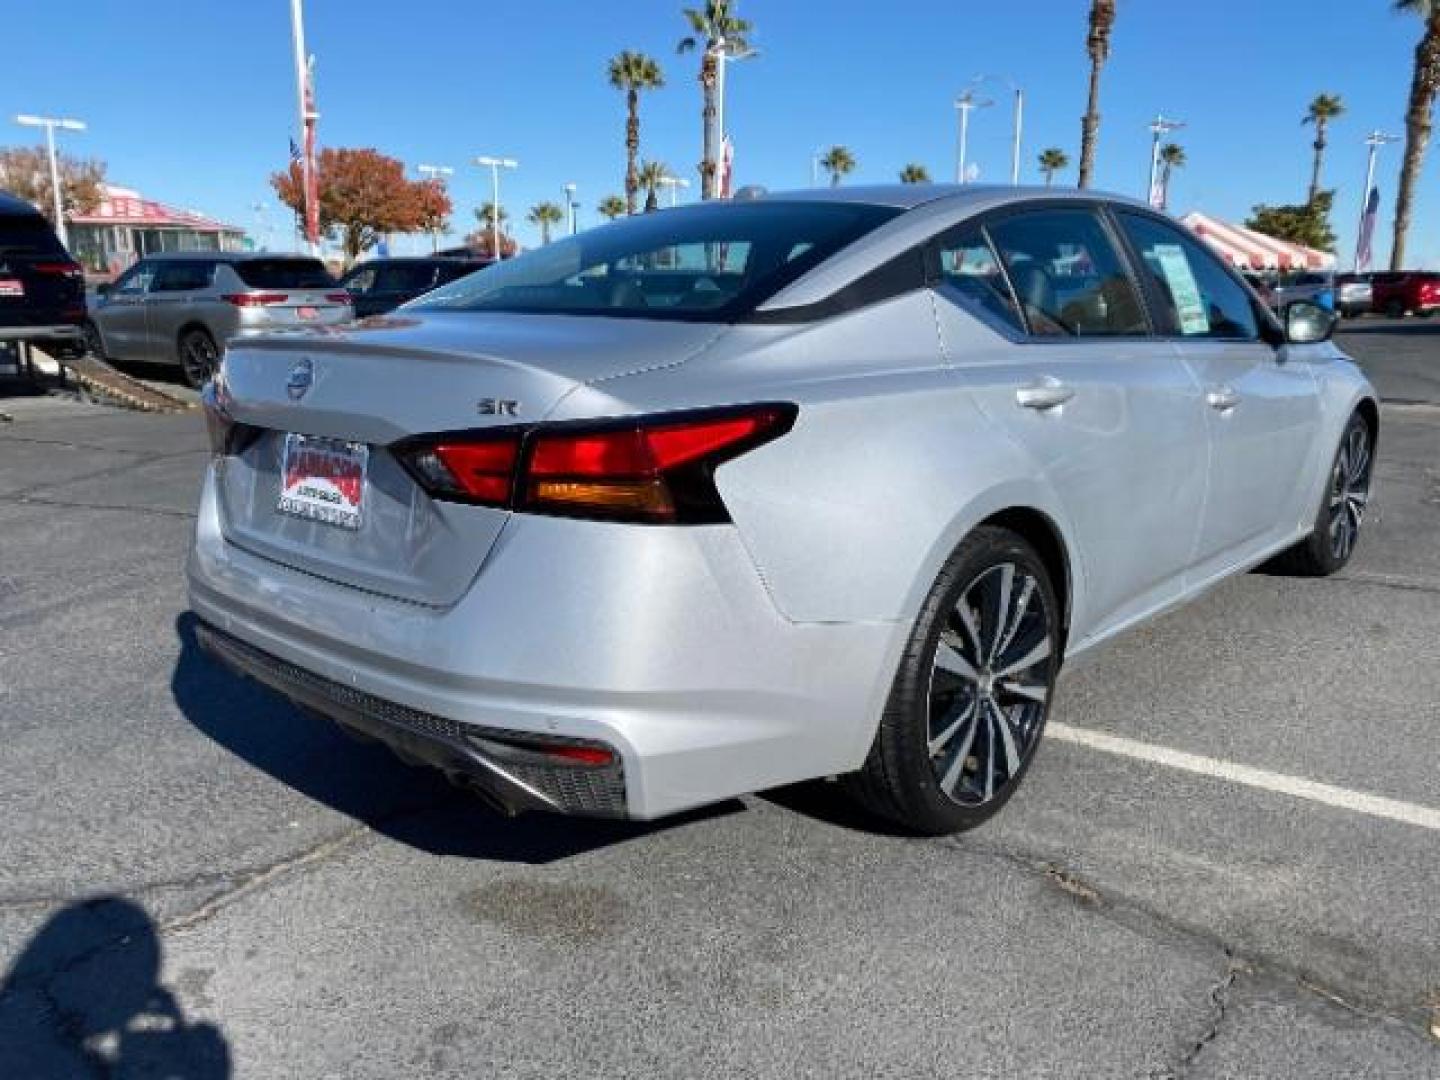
(182,308)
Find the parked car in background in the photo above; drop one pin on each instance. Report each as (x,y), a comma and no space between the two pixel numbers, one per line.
(381,285)
(1354,295)
(42,289)
(1314,286)
(1410,292)
(755,491)
(183,307)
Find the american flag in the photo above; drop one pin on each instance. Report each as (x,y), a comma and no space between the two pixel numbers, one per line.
(1363,250)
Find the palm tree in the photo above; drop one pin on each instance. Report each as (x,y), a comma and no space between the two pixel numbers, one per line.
(1172,156)
(1097,44)
(611,207)
(723,34)
(633,72)
(914,174)
(1323,109)
(652,174)
(1052,161)
(545,214)
(838,161)
(1424,83)
(485,214)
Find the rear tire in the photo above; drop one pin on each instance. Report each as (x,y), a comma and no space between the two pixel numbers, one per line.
(1395,309)
(1342,508)
(973,692)
(199,357)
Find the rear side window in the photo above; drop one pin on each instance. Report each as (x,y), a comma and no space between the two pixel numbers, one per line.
(1067,275)
(27,234)
(182,276)
(448,272)
(970,271)
(1199,298)
(284,274)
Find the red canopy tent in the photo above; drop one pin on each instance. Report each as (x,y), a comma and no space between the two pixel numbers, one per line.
(1249,250)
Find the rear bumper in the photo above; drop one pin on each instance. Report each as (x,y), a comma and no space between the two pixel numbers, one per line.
(661,644)
(508,777)
(57,332)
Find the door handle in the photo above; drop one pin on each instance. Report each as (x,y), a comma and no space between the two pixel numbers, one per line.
(1047,393)
(1222,398)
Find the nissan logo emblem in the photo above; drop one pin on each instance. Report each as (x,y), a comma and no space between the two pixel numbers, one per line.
(302,375)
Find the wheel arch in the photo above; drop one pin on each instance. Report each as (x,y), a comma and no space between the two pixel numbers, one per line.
(1040,531)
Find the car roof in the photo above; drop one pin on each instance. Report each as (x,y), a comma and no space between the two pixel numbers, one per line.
(229,256)
(387,260)
(16,207)
(911,196)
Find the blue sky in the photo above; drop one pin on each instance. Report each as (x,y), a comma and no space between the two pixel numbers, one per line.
(193,102)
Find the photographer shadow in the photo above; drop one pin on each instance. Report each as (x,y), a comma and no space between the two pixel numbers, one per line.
(84,998)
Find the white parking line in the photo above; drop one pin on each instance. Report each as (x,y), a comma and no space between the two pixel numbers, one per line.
(1280,783)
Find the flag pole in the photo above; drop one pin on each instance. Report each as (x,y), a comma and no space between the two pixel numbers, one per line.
(305,108)
(1374,141)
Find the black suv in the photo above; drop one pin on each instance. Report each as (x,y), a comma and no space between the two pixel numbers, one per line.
(42,289)
(381,285)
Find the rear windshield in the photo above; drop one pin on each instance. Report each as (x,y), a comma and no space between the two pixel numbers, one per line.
(284,274)
(711,263)
(27,234)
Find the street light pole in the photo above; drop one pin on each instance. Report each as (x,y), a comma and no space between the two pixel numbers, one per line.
(1017,120)
(570,205)
(964,105)
(434,173)
(1159,128)
(673,182)
(304,101)
(1374,141)
(50,123)
(495,164)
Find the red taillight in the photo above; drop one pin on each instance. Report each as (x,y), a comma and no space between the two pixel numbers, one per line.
(338,297)
(657,470)
(479,470)
(252,299)
(68,269)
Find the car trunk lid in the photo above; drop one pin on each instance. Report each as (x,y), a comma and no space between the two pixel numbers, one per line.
(358,390)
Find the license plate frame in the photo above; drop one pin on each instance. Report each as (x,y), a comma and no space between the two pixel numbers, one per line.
(323,480)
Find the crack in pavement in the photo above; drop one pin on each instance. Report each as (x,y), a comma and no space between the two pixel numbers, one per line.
(1220,997)
(157,511)
(1139,918)
(117,469)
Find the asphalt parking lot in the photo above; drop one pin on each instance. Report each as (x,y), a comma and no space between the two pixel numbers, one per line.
(1223,864)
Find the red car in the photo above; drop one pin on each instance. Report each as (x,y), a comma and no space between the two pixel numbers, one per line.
(1398,295)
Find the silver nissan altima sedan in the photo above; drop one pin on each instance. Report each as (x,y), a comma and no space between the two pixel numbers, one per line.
(724,497)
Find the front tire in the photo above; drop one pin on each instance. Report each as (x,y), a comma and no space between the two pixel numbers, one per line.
(973,692)
(199,357)
(1342,509)
(92,343)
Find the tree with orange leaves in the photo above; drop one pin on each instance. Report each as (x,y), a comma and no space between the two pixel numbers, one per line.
(364,195)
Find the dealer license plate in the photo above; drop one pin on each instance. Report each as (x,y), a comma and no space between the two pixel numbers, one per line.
(323,480)
(11,287)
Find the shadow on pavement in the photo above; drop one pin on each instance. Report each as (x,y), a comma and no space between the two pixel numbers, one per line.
(414,806)
(83,998)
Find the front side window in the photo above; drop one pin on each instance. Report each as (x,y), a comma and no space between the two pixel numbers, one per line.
(136,280)
(1067,275)
(710,263)
(1198,296)
(969,269)
(404,277)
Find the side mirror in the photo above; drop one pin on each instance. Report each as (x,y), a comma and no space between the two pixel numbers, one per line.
(1307,323)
